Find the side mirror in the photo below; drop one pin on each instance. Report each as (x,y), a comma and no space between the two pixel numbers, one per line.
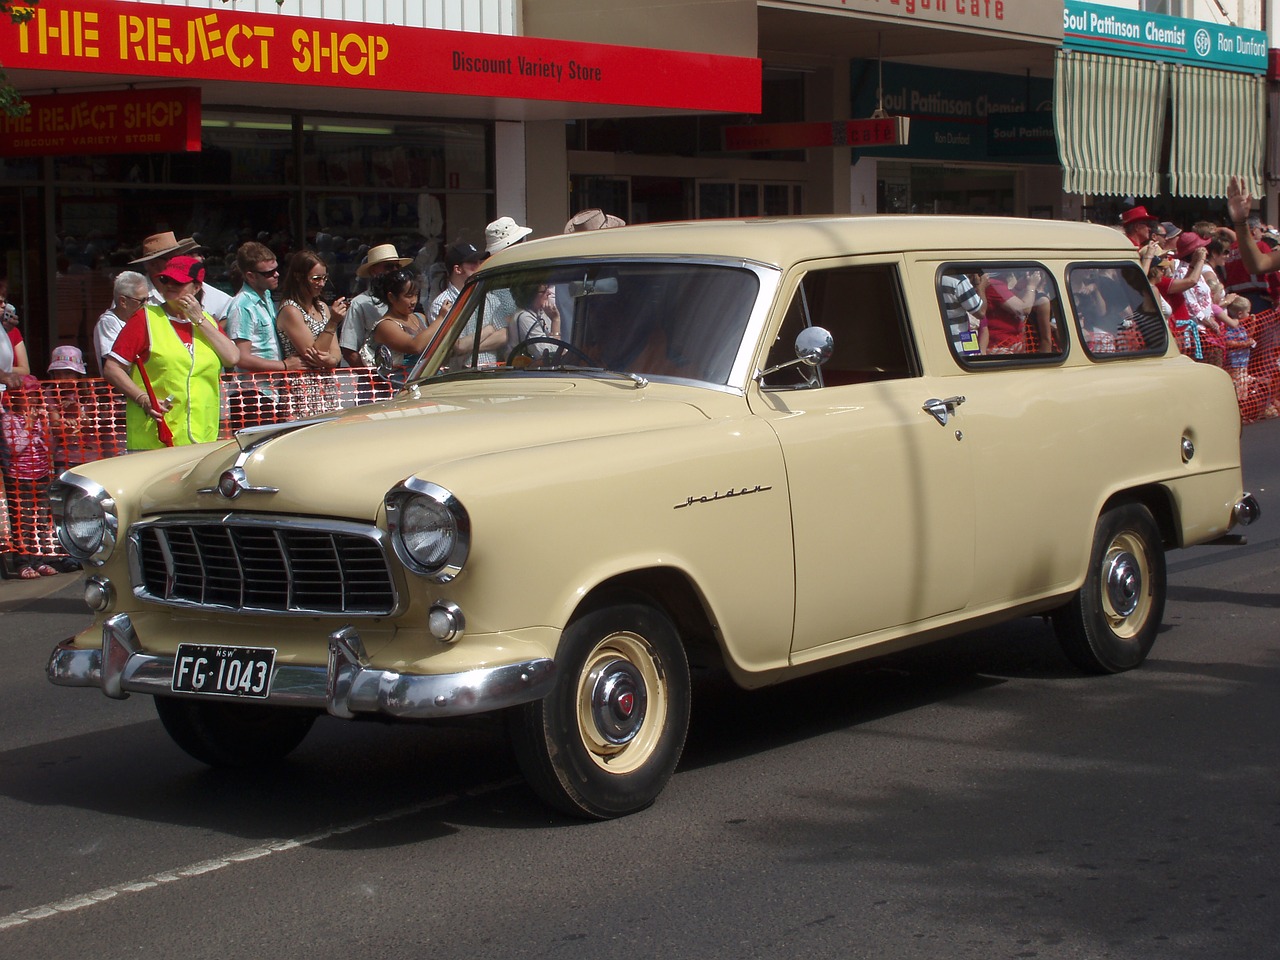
(385,362)
(814,346)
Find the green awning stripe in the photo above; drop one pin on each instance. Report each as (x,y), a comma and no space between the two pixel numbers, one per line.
(1219,131)
(1108,115)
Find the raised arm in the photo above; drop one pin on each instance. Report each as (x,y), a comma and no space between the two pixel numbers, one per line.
(1239,205)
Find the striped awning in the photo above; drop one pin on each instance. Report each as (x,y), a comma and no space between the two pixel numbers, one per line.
(1219,131)
(1108,115)
(1273,138)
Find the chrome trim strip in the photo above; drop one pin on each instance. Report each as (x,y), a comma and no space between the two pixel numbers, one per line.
(342,687)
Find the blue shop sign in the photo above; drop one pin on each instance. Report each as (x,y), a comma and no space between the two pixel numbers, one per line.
(1094,28)
(959,115)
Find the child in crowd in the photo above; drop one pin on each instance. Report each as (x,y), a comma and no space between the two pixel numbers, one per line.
(1238,342)
(25,425)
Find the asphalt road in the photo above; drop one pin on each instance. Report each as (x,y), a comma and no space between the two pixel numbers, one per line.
(974,799)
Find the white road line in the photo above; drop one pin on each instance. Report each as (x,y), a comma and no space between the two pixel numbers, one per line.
(95,897)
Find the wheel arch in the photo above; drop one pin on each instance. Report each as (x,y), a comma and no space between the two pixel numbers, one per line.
(1158,500)
(675,594)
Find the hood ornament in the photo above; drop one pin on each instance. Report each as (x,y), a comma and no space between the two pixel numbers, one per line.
(234,482)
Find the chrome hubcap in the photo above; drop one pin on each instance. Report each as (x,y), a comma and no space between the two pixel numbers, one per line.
(618,701)
(1123,583)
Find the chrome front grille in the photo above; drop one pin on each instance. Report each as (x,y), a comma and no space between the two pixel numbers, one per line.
(264,565)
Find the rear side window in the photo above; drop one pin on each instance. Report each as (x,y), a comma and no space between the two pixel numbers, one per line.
(1116,311)
(1001,312)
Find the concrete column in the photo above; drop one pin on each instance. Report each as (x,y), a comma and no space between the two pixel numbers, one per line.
(509,153)
(546,176)
(828,189)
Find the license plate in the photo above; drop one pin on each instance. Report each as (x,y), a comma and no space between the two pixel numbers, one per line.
(223,671)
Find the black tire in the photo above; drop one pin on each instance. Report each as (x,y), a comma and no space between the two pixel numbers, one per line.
(608,737)
(1111,623)
(233,734)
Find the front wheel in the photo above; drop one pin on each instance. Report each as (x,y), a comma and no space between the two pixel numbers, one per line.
(1111,623)
(233,735)
(608,737)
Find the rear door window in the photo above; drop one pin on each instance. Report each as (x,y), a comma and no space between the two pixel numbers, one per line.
(1116,311)
(1001,311)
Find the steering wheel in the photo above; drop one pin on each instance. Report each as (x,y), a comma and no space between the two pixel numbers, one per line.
(550,357)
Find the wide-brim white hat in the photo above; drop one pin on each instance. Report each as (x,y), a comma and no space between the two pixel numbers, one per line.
(502,233)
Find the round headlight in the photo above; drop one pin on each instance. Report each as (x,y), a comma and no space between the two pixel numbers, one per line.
(430,530)
(84,525)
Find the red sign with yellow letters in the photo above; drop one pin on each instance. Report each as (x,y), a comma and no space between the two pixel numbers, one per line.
(123,39)
(121,121)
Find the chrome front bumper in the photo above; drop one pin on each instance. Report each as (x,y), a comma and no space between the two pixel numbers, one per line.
(346,686)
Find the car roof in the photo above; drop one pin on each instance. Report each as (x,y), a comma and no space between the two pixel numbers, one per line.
(785,240)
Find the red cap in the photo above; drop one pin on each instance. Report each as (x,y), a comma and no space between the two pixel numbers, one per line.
(184,270)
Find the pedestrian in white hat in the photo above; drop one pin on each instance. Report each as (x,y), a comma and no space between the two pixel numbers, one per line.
(502,233)
(365,309)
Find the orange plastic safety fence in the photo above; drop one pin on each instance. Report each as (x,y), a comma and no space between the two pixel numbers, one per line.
(1257,375)
(78,421)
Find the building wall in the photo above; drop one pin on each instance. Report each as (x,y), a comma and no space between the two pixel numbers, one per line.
(477,16)
(1240,13)
(706,26)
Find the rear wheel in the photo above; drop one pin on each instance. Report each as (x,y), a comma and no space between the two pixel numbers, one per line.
(232,734)
(608,737)
(1111,623)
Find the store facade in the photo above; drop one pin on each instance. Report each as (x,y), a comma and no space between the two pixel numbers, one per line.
(1157,110)
(820,61)
(228,125)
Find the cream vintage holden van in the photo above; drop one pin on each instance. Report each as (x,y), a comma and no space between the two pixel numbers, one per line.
(773,447)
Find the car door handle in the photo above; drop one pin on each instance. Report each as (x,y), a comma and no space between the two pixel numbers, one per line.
(942,409)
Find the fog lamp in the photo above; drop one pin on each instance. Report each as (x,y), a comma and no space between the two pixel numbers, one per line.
(445,621)
(98,594)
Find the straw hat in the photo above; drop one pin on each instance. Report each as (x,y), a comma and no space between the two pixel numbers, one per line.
(382,253)
(593,218)
(163,245)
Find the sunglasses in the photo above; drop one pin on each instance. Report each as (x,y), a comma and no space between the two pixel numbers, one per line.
(267,273)
(319,278)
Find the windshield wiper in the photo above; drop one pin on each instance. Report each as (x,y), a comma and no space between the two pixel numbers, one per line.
(635,378)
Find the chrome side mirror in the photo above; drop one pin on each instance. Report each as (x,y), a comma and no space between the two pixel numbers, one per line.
(814,346)
(385,361)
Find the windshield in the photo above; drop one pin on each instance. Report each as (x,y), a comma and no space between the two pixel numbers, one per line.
(680,320)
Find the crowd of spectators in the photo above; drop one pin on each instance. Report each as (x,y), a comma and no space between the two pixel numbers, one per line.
(1219,285)
(181,361)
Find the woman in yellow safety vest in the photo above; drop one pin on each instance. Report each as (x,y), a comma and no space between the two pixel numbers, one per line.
(168,362)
